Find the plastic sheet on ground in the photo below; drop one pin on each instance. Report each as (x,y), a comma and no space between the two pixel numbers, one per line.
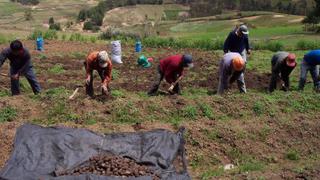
(39,152)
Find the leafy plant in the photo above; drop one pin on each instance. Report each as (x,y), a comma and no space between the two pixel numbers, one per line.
(7,114)
(57,69)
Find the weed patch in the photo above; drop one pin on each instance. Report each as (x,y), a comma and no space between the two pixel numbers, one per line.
(292,155)
(57,69)
(212,173)
(7,114)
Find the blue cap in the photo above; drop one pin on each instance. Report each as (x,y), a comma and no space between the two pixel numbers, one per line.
(187,60)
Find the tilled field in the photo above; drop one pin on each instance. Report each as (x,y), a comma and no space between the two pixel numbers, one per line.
(244,130)
(128,75)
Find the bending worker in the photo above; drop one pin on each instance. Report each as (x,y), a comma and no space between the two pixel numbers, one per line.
(20,65)
(231,67)
(171,68)
(100,62)
(282,64)
(310,62)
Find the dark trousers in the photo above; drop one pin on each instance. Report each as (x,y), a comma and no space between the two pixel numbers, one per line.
(31,77)
(282,72)
(89,87)
(156,85)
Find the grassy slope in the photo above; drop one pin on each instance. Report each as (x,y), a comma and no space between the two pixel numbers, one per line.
(286,28)
(12,20)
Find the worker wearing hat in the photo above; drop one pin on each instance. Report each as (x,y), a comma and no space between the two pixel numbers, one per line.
(282,65)
(238,42)
(144,61)
(310,62)
(20,65)
(100,62)
(171,69)
(231,67)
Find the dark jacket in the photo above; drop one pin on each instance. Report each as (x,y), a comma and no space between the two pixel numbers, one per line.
(18,63)
(234,43)
(280,69)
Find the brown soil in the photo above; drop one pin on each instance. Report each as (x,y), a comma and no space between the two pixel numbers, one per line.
(132,77)
(108,165)
(303,134)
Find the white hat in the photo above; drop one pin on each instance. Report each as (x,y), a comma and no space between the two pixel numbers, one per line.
(244,29)
(103,59)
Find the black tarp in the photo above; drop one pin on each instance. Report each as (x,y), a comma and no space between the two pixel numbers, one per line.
(40,151)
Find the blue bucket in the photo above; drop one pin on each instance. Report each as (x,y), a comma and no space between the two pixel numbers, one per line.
(40,44)
(138,47)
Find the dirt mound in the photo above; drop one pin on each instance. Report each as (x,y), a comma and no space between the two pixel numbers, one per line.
(108,165)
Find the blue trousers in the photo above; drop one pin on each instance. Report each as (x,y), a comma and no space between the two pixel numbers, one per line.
(31,77)
(314,71)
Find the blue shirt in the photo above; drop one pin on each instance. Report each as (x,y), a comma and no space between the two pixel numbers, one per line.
(312,57)
(234,43)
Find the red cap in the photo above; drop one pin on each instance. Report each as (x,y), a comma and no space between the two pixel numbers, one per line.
(291,60)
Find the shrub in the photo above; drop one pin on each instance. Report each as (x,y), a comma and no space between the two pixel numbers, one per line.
(55,26)
(88,26)
(76,37)
(35,34)
(50,34)
(293,155)
(171,42)
(307,45)
(269,45)
(28,15)
(7,114)
(51,20)
(119,35)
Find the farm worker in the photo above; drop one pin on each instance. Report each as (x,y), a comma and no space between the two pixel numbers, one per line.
(20,65)
(238,42)
(100,62)
(143,62)
(231,67)
(310,63)
(171,69)
(282,65)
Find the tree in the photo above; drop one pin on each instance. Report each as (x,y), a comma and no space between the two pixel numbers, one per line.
(313,17)
(51,20)
(28,15)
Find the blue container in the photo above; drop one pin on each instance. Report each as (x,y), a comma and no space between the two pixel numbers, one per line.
(40,44)
(138,47)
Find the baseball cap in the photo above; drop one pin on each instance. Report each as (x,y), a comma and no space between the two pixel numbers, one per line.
(291,60)
(187,60)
